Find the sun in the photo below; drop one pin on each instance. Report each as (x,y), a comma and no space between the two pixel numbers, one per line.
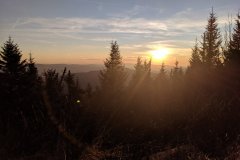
(159,54)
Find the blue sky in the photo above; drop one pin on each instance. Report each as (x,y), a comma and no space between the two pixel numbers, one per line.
(80,31)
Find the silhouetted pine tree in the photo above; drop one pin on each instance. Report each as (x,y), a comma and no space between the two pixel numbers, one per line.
(195,60)
(73,90)
(12,100)
(12,73)
(140,82)
(235,42)
(112,78)
(211,45)
(31,68)
(233,53)
(33,87)
(177,72)
(138,74)
(64,107)
(21,110)
(55,89)
(161,88)
(10,62)
(34,81)
(195,70)
(147,70)
(162,73)
(142,74)
(162,78)
(213,129)
(177,81)
(107,101)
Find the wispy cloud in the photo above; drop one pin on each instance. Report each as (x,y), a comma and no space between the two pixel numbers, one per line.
(136,35)
(88,25)
(92,29)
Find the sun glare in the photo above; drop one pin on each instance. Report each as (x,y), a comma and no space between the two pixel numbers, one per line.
(159,54)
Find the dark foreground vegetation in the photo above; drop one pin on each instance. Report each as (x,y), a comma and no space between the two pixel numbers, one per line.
(184,114)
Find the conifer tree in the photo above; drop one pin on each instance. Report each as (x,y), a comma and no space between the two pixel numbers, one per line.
(54,86)
(34,81)
(211,45)
(235,42)
(162,75)
(233,53)
(147,70)
(162,72)
(108,99)
(21,107)
(112,78)
(138,73)
(139,68)
(161,79)
(13,71)
(10,59)
(31,68)
(176,74)
(195,60)
(142,73)
(175,71)
(73,90)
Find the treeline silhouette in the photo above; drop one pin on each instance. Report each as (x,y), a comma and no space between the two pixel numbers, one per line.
(184,114)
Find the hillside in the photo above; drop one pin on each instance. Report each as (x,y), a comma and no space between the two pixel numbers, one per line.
(75,68)
(88,74)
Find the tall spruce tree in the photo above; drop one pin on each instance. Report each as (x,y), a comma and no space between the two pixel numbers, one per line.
(211,44)
(21,107)
(10,59)
(235,42)
(108,100)
(233,53)
(112,78)
(13,71)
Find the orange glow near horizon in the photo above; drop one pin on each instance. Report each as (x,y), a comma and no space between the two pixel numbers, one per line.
(85,55)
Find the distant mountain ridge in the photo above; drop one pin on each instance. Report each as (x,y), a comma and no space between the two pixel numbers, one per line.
(88,73)
(77,68)
(74,68)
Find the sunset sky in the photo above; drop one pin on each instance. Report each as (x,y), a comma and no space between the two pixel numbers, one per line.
(80,31)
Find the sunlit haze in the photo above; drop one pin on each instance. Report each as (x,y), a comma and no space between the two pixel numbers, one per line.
(159,54)
(80,31)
